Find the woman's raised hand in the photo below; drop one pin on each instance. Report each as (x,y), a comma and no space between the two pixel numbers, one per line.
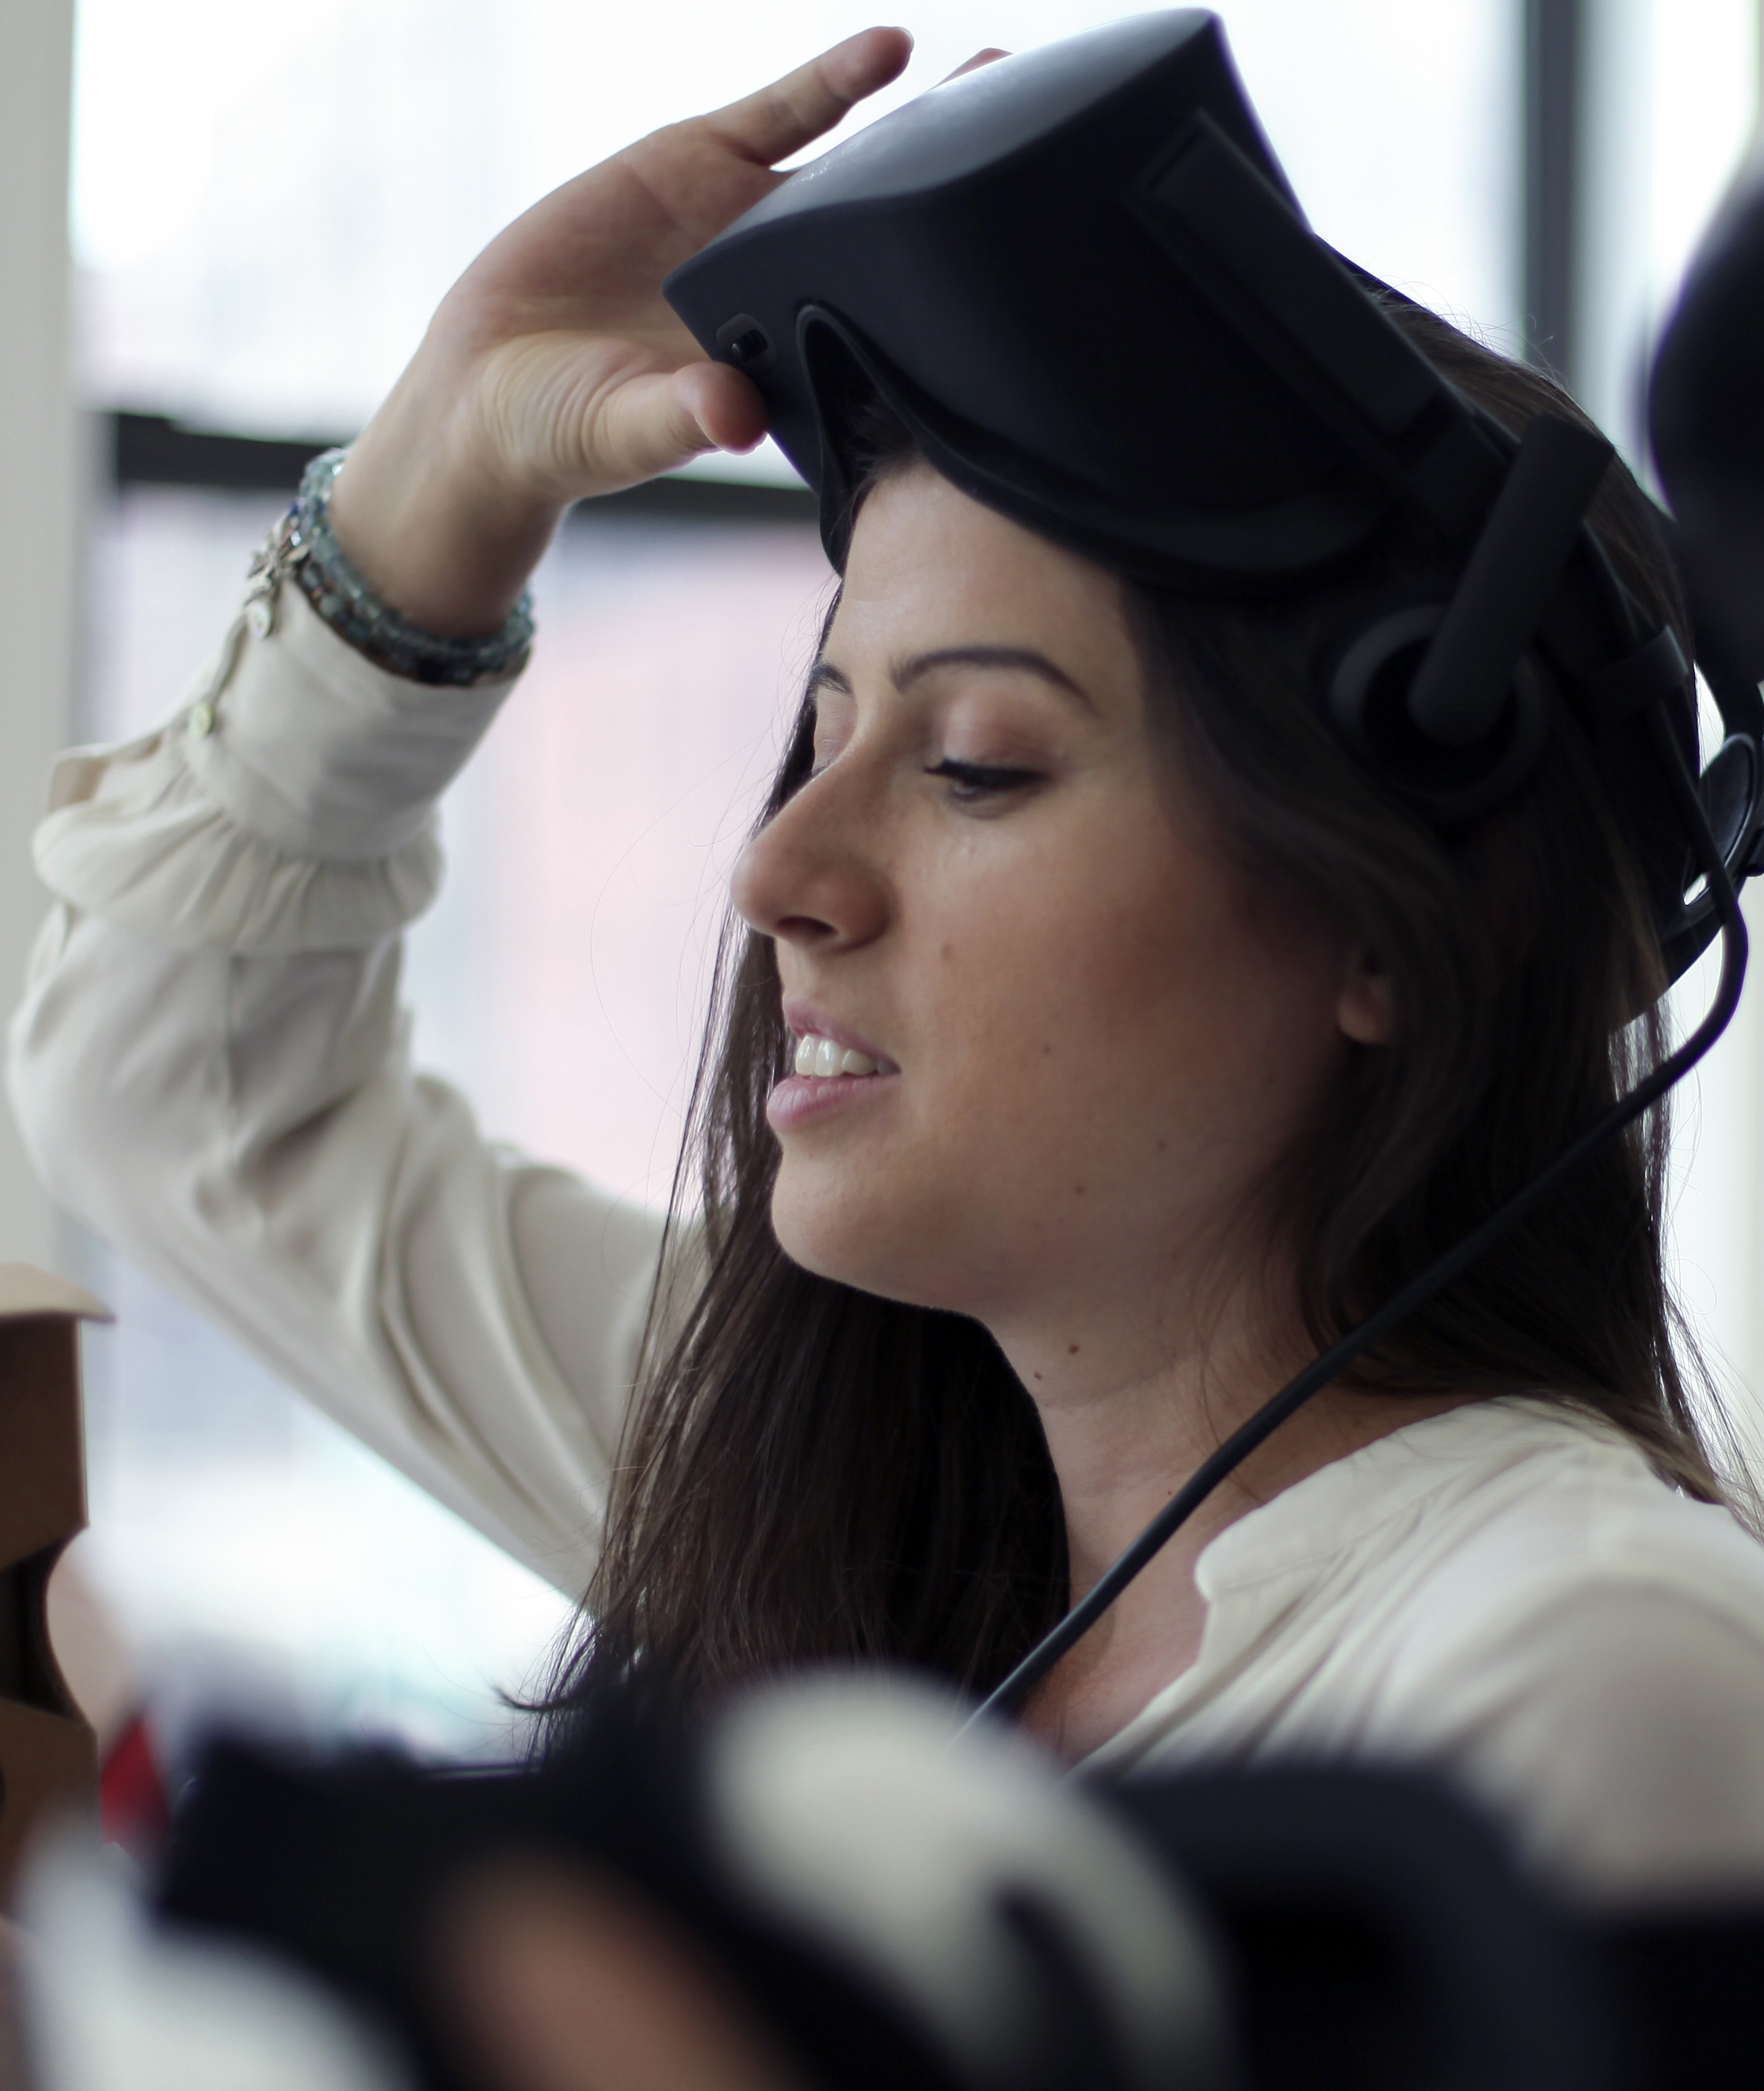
(554,369)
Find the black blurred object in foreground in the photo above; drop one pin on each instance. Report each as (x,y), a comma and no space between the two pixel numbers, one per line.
(901,1907)
(1705,418)
(898,1906)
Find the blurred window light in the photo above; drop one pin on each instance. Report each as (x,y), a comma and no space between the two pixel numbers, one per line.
(1703,75)
(1669,108)
(269,204)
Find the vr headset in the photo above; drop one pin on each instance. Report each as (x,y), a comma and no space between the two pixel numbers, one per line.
(1080,279)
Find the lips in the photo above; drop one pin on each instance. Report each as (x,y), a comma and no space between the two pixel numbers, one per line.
(835,1069)
(827,1039)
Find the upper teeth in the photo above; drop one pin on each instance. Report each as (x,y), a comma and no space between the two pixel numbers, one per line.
(826,1056)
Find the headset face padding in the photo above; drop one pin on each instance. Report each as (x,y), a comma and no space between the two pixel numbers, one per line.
(1080,279)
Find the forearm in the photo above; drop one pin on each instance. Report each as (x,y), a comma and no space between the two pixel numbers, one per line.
(210,1066)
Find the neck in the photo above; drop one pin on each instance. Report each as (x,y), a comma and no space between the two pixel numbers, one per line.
(1127,1421)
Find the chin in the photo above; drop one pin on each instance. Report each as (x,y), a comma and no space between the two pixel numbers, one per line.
(873,1244)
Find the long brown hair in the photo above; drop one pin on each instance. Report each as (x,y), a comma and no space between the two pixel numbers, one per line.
(812,1473)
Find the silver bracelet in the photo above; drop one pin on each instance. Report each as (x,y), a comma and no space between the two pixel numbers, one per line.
(304,549)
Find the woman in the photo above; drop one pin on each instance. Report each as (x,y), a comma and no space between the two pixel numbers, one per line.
(1102,1039)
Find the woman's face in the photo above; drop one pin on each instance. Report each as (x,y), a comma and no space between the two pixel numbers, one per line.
(1089,1038)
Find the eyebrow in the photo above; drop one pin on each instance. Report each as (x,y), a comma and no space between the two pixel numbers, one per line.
(1021,660)
(824,676)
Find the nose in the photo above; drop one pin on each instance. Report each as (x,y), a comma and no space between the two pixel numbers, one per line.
(806,878)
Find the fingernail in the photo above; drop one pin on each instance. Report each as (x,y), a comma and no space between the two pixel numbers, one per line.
(847,68)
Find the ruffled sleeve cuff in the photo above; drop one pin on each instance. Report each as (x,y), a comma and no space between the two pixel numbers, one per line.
(287,807)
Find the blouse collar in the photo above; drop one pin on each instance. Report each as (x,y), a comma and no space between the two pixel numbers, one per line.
(1343,1519)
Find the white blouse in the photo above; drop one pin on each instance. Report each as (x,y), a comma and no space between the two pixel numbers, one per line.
(211,1066)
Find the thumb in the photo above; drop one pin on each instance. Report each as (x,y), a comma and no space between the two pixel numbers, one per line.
(727,406)
(654,421)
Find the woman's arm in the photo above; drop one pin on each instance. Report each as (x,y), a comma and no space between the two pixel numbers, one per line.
(211,1064)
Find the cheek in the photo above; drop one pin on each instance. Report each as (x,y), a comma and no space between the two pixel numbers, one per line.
(1099,1056)
(1141,994)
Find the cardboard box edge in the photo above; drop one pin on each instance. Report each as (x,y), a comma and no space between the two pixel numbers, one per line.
(25,1292)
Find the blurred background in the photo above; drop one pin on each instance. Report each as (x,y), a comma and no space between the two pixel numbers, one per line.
(261,208)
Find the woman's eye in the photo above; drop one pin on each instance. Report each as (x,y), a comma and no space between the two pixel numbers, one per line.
(821,760)
(972,781)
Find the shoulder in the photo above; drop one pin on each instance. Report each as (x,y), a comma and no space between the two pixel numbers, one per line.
(1586,1646)
(1545,1510)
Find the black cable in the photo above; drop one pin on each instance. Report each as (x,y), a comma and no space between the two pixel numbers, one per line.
(1317,1374)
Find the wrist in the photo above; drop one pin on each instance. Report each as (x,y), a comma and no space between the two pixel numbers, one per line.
(304,549)
(434,534)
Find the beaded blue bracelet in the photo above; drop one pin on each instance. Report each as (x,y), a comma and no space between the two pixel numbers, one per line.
(303,548)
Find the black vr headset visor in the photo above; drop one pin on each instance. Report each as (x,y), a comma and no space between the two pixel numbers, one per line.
(1050,267)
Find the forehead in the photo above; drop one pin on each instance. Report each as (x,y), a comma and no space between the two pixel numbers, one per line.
(930,568)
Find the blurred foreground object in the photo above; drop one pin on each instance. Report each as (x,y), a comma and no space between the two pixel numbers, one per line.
(879,1904)
(110,2003)
(48,1753)
(1706,420)
(98,1666)
(892,1904)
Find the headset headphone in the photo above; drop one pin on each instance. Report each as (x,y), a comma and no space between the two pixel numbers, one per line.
(1080,279)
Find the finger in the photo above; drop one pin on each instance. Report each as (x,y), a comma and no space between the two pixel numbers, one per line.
(782,118)
(990,56)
